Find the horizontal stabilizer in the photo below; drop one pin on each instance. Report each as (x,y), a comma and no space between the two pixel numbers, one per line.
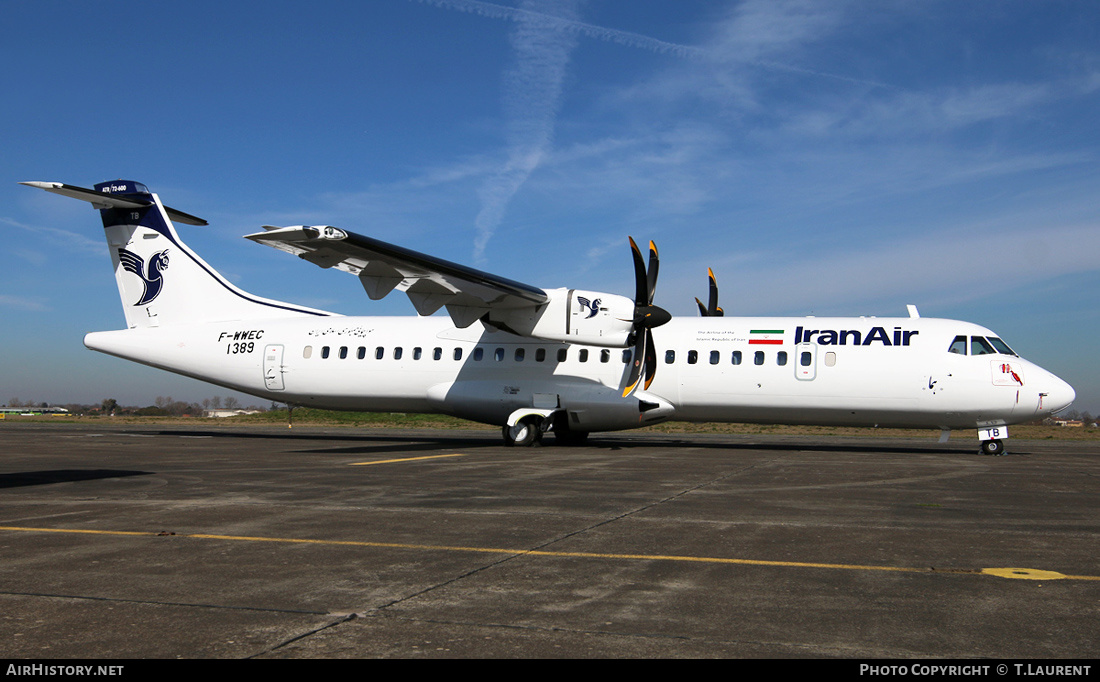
(102,200)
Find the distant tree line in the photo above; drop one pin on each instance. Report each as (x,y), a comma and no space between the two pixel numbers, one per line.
(1074,415)
(163,406)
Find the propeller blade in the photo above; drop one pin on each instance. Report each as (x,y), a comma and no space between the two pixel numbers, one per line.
(651,273)
(636,360)
(713,308)
(650,359)
(641,280)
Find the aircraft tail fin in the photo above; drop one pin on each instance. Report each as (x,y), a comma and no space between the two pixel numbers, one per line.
(160,280)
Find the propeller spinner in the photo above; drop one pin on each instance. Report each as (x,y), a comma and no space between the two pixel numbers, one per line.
(711,309)
(646,317)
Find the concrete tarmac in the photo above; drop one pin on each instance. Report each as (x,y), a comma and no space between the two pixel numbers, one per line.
(211,541)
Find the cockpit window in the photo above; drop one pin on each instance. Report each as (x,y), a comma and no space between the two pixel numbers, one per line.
(1001,346)
(979,346)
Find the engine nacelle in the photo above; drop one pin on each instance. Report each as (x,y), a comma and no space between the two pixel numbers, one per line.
(573,316)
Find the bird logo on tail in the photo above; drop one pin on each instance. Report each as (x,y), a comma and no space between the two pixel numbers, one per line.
(151,277)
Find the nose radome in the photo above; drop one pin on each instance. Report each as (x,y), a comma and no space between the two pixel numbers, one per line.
(1060,395)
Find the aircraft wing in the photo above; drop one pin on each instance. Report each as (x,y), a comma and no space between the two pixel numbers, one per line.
(429,282)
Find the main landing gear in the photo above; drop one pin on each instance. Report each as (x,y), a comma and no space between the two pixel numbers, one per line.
(528,430)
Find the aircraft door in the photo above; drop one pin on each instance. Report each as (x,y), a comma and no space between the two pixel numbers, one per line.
(805,365)
(273,367)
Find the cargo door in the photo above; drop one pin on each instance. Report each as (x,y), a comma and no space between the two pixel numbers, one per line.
(273,367)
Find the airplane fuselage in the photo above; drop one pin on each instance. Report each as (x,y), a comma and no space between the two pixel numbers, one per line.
(827,371)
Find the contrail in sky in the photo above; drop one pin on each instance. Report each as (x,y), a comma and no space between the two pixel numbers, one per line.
(532,95)
(567,25)
(544,34)
(625,38)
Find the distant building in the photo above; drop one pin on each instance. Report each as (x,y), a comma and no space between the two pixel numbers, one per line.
(33,410)
(227,413)
(1069,422)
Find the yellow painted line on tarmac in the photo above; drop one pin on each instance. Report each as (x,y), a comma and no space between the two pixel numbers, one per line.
(1034,574)
(404,459)
(1016,573)
(77,530)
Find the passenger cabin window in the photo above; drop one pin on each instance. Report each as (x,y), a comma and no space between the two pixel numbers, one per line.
(958,345)
(715,357)
(540,355)
(670,357)
(458,354)
(324,352)
(498,354)
(758,357)
(437,354)
(343,352)
(736,358)
(693,357)
(781,358)
(379,353)
(417,352)
(479,353)
(562,354)
(520,354)
(307,352)
(806,359)
(584,355)
(361,352)
(626,356)
(605,355)
(397,352)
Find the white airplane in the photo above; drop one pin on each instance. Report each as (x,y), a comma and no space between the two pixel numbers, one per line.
(533,360)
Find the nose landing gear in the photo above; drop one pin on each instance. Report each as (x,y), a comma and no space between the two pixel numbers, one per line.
(992,438)
(994,447)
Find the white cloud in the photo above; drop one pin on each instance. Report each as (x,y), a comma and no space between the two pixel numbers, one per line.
(32,303)
(70,241)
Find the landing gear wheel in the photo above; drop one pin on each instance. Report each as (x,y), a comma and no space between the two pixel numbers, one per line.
(993,447)
(525,433)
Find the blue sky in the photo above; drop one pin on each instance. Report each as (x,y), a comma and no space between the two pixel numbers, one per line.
(825,158)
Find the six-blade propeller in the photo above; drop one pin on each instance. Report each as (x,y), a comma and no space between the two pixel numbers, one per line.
(646,317)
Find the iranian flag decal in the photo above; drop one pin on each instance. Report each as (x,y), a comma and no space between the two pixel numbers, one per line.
(771,337)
